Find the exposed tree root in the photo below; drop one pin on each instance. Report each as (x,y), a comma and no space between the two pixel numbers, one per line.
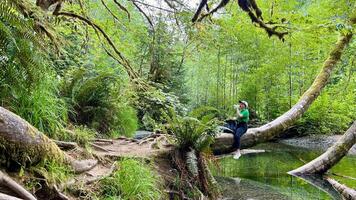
(15,187)
(66,145)
(99,147)
(98,140)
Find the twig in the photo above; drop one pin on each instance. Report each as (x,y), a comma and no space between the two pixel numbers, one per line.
(345,191)
(99,147)
(103,140)
(152,6)
(123,8)
(59,195)
(108,9)
(143,13)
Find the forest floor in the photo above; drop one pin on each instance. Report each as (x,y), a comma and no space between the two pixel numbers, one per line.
(153,148)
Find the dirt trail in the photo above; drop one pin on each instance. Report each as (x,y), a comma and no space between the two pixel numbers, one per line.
(108,151)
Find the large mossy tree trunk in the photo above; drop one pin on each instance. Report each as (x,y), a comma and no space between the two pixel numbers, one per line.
(331,157)
(268,131)
(23,144)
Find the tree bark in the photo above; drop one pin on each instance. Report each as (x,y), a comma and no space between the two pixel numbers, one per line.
(331,157)
(347,193)
(22,143)
(268,131)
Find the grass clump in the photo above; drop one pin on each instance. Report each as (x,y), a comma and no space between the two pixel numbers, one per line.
(79,134)
(134,180)
(47,172)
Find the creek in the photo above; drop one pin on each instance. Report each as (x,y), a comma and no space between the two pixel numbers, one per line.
(264,175)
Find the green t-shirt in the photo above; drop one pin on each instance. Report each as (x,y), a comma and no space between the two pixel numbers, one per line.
(245,116)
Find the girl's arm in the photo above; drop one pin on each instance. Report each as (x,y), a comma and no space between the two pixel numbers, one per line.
(238,113)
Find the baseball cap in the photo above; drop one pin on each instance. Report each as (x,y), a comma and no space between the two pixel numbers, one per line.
(244,102)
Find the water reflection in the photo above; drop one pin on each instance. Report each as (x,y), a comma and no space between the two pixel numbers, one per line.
(264,175)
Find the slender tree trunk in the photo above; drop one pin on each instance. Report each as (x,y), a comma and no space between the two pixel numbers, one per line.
(218,80)
(290,76)
(331,157)
(272,129)
(224,83)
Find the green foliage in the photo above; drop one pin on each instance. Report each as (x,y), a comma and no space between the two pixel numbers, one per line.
(80,134)
(330,113)
(52,171)
(236,61)
(28,85)
(153,105)
(205,112)
(94,97)
(191,132)
(133,180)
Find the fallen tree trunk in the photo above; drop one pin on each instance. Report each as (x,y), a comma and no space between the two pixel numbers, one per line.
(346,192)
(331,157)
(21,144)
(268,131)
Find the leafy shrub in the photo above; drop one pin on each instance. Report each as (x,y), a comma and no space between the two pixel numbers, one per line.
(330,113)
(133,180)
(191,132)
(152,105)
(98,101)
(205,111)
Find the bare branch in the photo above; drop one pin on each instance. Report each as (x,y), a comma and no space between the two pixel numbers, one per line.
(122,8)
(125,63)
(152,6)
(143,13)
(222,4)
(197,13)
(108,9)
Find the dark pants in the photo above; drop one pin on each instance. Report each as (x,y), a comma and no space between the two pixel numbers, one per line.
(238,129)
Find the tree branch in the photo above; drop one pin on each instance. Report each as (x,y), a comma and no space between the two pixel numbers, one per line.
(123,8)
(143,13)
(124,62)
